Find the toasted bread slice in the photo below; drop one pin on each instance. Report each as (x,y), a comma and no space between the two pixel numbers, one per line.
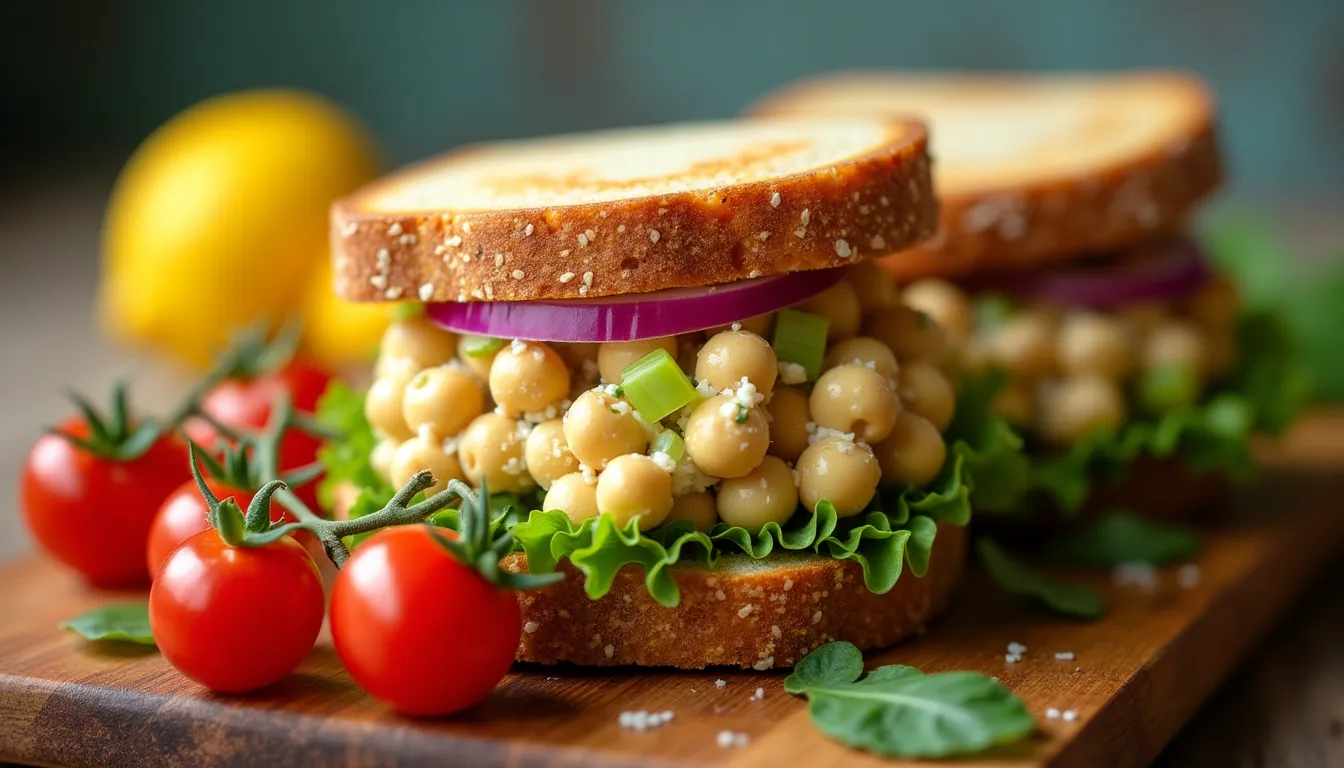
(1035,168)
(741,613)
(636,210)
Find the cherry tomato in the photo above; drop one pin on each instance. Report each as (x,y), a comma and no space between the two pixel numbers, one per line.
(419,630)
(245,404)
(236,619)
(93,514)
(183,515)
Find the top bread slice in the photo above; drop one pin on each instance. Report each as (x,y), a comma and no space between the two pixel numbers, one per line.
(1036,168)
(636,210)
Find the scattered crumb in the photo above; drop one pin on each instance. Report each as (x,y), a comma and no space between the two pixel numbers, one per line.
(1188,576)
(728,739)
(758,695)
(1070,715)
(1016,648)
(1064,656)
(720,683)
(639,720)
(1138,574)
(1052,713)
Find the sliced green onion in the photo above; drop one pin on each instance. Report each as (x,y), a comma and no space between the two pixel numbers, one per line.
(655,386)
(1168,387)
(800,338)
(408,310)
(669,442)
(480,346)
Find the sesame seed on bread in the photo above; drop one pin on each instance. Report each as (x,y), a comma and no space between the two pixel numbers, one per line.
(1033,168)
(635,210)
(753,614)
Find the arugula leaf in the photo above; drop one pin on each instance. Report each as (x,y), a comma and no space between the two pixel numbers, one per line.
(898,711)
(1061,596)
(1122,537)
(122,622)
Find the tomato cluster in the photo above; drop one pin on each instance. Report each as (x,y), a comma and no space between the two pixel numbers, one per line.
(237,602)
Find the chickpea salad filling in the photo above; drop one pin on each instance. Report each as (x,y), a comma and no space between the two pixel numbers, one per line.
(839,426)
(1094,379)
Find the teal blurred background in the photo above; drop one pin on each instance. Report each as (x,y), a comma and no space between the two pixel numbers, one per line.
(85,81)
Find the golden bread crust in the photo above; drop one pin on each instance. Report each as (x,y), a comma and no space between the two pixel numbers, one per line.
(761,615)
(830,215)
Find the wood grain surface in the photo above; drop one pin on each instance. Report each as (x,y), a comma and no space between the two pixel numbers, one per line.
(1137,676)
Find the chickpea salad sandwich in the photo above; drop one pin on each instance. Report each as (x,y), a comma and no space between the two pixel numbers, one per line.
(1064,275)
(669,349)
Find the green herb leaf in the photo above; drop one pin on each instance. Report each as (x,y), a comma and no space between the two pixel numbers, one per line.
(1122,537)
(123,622)
(898,711)
(1016,578)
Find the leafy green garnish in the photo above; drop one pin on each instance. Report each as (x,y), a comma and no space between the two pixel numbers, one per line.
(1001,472)
(898,711)
(1122,537)
(346,458)
(123,622)
(1016,578)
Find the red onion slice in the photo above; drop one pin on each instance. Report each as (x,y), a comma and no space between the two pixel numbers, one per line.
(1165,270)
(633,316)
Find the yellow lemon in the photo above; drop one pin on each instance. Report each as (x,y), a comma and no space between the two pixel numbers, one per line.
(220,218)
(336,332)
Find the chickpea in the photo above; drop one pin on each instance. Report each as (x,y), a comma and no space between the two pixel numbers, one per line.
(789,416)
(760,325)
(1094,344)
(839,305)
(730,355)
(924,390)
(598,430)
(719,445)
(855,398)
(424,452)
(381,457)
(1017,403)
(1214,307)
(1143,317)
(1174,344)
(944,302)
(841,472)
(443,399)
(574,496)
(615,356)
(909,333)
(575,354)
(1024,344)
(766,494)
(383,401)
(479,365)
(547,453)
(526,377)
(698,507)
(491,453)
(873,286)
(419,340)
(392,366)
(1079,406)
(633,486)
(914,452)
(864,350)
(1222,353)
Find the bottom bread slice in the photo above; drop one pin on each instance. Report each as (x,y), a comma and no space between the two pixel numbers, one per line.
(741,613)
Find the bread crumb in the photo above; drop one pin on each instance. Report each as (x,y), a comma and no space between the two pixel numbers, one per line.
(720,683)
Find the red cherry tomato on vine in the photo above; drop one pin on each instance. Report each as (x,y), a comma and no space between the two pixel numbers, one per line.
(419,630)
(184,514)
(236,619)
(93,514)
(246,404)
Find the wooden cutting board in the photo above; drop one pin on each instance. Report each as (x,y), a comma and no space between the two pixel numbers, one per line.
(1137,675)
